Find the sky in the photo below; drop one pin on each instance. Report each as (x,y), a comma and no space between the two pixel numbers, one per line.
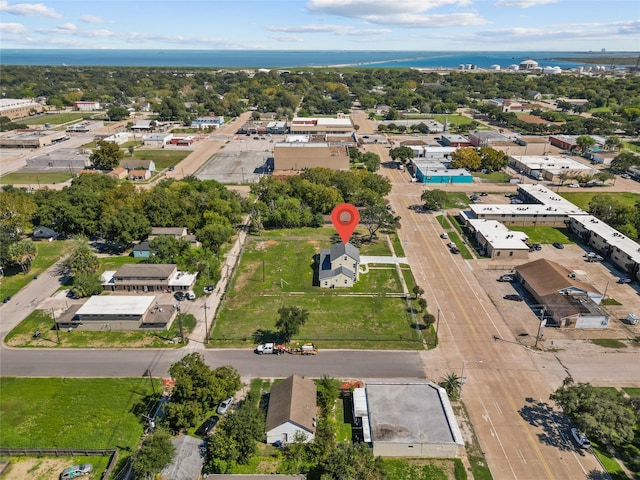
(426,25)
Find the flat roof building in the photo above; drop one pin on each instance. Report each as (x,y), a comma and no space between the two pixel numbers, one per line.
(411,419)
(549,167)
(487,138)
(31,138)
(134,277)
(61,159)
(429,171)
(496,240)
(341,124)
(85,126)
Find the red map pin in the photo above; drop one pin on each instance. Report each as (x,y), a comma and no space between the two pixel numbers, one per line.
(345,218)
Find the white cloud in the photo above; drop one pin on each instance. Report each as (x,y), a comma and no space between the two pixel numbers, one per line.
(430,21)
(29,9)
(522,3)
(287,38)
(12,28)
(70,27)
(366,8)
(321,28)
(91,19)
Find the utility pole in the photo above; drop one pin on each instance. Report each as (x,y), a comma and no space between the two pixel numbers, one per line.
(180,324)
(55,325)
(206,325)
(544,309)
(147,373)
(263,270)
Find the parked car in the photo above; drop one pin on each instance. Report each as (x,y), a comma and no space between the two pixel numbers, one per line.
(573,185)
(190,295)
(179,296)
(506,278)
(483,194)
(444,235)
(558,245)
(451,245)
(209,288)
(580,438)
(6,299)
(514,297)
(224,406)
(454,250)
(76,471)
(204,429)
(537,246)
(624,280)
(625,175)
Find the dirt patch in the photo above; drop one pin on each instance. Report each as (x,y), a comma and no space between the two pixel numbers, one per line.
(36,468)
(262,246)
(315,243)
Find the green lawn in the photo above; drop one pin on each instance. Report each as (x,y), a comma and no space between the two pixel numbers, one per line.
(456,199)
(72,413)
(633,146)
(405,469)
(162,158)
(495,177)
(35,179)
(582,199)
(114,263)
(48,253)
(464,251)
(632,391)
(610,464)
(22,335)
(608,342)
(547,235)
(56,118)
(277,269)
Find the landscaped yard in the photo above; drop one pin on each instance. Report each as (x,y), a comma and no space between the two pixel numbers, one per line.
(546,235)
(72,413)
(35,178)
(277,269)
(48,253)
(582,199)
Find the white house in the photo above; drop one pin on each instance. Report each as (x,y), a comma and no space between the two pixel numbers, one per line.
(339,266)
(291,414)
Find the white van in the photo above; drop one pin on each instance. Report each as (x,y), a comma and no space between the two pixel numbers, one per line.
(190,295)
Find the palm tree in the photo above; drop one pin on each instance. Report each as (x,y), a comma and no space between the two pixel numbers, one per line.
(452,384)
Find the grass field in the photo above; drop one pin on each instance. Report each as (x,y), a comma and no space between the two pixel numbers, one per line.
(162,158)
(72,413)
(547,235)
(464,251)
(22,335)
(610,464)
(582,199)
(48,253)
(114,263)
(632,391)
(56,118)
(495,177)
(277,270)
(608,342)
(35,179)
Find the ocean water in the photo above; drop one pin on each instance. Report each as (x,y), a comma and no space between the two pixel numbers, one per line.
(292,58)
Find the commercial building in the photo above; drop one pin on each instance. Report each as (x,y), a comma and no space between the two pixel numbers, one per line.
(488,138)
(31,138)
(18,107)
(118,312)
(86,106)
(549,167)
(303,155)
(292,411)
(454,140)
(431,152)
(61,159)
(411,419)
(85,126)
(496,240)
(138,277)
(429,171)
(338,266)
(277,127)
(340,124)
(157,139)
(534,145)
(208,122)
(566,302)
(132,164)
(565,142)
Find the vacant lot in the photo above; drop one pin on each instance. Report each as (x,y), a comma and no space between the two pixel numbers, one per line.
(35,178)
(72,413)
(582,199)
(162,158)
(48,468)
(277,270)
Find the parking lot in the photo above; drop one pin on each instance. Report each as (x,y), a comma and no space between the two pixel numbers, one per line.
(523,318)
(243,159)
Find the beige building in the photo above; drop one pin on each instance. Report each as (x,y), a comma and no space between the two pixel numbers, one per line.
(496,240)
(18,107)
(341,124)
(301,156)
(141,277)
(31,138)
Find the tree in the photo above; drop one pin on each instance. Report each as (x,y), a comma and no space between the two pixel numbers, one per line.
(125,225)
(377,216)
(371,161)
(401,154)
(467,157)
(290,320)
(352,461)
(422,303)
(17,209)
(214,235)
(452,384)
(428,319)
(613,142)
(82,260)
(585,142)
(86,284)
(492,159)
(115,114)
(198,389)
(154,454)
(417,290)
(434,199)
(624,160)
(598,412)
(107,155)
(22,253)
(327,393)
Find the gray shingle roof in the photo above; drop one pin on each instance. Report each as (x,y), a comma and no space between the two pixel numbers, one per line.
(292,400)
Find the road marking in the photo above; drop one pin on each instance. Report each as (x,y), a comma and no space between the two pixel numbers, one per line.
(498,408)
(494,434)
(532,440)
(522,457)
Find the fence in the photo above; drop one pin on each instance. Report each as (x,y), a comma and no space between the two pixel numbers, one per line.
(58,452)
